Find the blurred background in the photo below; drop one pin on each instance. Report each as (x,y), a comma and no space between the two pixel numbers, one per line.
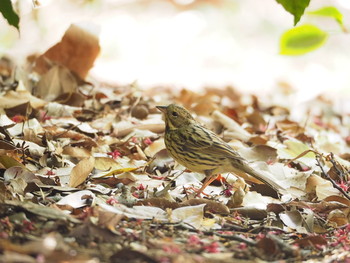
(190,43)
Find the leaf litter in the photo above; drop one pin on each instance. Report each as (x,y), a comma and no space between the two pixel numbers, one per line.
(85,176)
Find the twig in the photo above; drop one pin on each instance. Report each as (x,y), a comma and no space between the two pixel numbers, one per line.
(301,155)
(269,228)
(285,247)
(234,227)
(339,172)
(335,185)
(211,232)
(237,238)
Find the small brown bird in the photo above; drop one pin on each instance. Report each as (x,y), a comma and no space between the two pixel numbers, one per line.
(201,150)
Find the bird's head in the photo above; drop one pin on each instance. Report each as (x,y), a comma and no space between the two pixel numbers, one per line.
(175,116)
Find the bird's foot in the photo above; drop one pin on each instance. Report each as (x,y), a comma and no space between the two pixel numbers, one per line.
(197,191)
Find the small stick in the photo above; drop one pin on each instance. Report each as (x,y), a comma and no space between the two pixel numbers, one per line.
(236,238)
(331,159)
(335,185)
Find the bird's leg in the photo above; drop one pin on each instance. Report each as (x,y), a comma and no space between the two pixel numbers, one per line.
(208,180)
(196,190)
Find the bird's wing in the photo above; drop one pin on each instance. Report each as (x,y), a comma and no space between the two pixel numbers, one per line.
(200,139)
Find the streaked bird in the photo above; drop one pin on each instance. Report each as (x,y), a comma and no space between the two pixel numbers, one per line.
(201,150)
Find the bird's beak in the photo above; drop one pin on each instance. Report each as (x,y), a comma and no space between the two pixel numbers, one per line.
(162,108)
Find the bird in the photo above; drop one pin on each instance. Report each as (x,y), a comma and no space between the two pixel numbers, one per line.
(201,150)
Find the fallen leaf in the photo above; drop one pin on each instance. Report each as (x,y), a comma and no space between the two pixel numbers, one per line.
(20,96)
(8,162)
(259,153)
(139,212)
(77,51)
(46,212)
(81,171)
(106,164)
(311,241)
(290,127)
(76,152)
(155,147)
(77,199)
(56,81)
(159,202)
(108,220)
(268,246)
(192,215)
(338,217)
(293,148)
(5,121)
(210,205)
(251,212)
(321,187)
(15,172)
(231,125)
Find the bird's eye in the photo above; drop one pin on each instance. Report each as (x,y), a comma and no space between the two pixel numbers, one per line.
(175,114)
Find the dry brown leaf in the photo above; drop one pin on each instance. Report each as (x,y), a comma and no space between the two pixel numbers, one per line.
(252,212)
(156,128)
(192,215)
(6,146)
(32,136)
(119,171)
(112,181)
(321,187)
(8,162)
(159,202)
(259,140)
(20,96)
(237,131)
(236,199)
(155,147)
(16,172)
(81,171)
(74,99)
(106,164)
(339,199)
(275,208)
(290,127)
(259,153)
(77,152)
(267,245)
(311,241)
(108,219)
(56,81)
(88,231)
(78,139)
(77,199)
(301,222)
(24,110)
(338,217)
(257,121)
(202,104)
(211,206)
(77,51)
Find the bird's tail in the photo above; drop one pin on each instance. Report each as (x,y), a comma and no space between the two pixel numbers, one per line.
(263,177)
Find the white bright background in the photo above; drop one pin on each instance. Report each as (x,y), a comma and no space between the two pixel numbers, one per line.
(231,43)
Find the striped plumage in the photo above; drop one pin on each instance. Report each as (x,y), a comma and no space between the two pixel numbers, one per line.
(200,149)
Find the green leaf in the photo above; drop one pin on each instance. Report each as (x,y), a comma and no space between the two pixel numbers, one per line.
(295,7)
(330,11)
(8,13)
(302,39)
